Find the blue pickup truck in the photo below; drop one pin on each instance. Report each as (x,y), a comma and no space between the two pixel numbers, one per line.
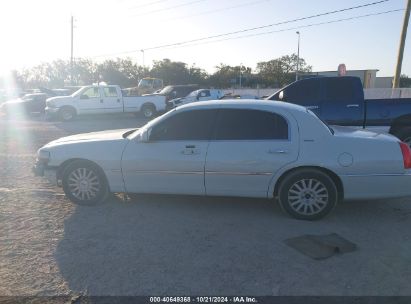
(340,101)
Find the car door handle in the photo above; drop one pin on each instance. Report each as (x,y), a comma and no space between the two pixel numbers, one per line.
(118,100)
(353,106)
(189,151)
(312,107)
(101,100)
(275,151)
(190,146)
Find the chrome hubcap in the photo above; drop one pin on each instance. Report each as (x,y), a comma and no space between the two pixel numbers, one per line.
(84,184)
(148,112)
(308,196)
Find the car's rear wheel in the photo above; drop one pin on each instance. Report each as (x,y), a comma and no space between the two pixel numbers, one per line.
(84,183)
(308,194)
(148,111)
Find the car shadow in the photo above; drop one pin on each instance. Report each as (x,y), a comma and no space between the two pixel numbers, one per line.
(184,245)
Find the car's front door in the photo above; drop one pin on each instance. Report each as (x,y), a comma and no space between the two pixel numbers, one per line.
(172,161)
(90,101)
(247,148)
(112,101)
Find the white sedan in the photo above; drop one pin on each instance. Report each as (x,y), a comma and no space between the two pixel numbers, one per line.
(245,148)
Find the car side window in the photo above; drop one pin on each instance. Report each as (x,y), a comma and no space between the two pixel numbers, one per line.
(91,92)
(110,92)
(304,92)
(205,93)
(243,124)
(188,125)
(339,89)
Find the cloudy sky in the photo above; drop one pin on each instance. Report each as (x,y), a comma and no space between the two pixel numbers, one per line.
(38,31)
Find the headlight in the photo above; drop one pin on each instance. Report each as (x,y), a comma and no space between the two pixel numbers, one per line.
(43,156)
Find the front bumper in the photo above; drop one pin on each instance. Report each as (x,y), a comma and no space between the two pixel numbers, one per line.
(50,173)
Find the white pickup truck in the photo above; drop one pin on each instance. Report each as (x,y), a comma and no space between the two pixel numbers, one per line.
(103,99)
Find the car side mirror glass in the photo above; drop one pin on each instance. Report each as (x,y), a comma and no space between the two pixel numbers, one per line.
(282,96)
(84,97)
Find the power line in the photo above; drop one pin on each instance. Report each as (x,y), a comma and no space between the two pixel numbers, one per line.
(147,4)
(290,29)
(246,30)
(167,8)
(218,10)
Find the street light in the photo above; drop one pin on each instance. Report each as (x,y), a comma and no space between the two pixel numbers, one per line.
(298,57)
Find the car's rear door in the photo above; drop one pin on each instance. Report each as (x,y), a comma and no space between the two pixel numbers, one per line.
(173,159)
(247,148)
(112,100)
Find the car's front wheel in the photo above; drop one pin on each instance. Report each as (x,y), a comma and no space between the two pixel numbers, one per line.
(67,113)
(84,183)
(308,194)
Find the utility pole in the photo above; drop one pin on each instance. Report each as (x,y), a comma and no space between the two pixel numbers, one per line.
(142,51)
(298,57)
(71,54)
(397,75)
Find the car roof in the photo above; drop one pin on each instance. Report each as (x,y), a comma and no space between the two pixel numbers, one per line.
(243,103)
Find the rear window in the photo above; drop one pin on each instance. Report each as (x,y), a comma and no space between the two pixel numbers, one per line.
(244,124)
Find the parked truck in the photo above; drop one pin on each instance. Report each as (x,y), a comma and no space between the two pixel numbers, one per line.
(103,99)
(198,95)
(340,101)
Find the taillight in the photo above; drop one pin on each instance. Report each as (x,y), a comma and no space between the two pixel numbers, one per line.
(406,155)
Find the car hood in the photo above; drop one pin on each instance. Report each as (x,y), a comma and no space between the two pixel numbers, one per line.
(14,102)
(59,98)
(93,136)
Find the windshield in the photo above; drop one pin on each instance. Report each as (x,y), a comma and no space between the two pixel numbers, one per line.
(28,96)
(166,90)
(78,92)
(193,94)
(145,83)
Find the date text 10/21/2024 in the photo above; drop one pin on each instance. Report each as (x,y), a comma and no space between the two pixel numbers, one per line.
(207,299)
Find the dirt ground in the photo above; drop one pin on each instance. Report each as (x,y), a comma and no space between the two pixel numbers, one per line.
(175,245)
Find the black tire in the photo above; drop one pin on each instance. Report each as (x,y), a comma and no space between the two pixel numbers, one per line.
(148,111)
(405,135)
(67,113)
(317,200)
(84,183)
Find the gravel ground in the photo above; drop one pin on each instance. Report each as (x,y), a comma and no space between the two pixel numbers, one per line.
(175,245)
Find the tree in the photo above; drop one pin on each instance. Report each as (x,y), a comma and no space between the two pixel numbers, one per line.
(405,81)
(281,71)
(175,72)
(228,76)
(122,72)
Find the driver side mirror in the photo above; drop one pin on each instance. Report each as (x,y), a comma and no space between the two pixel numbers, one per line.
(282,96)
(84,97)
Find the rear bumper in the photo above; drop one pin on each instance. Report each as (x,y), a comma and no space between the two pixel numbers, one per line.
(376,186)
